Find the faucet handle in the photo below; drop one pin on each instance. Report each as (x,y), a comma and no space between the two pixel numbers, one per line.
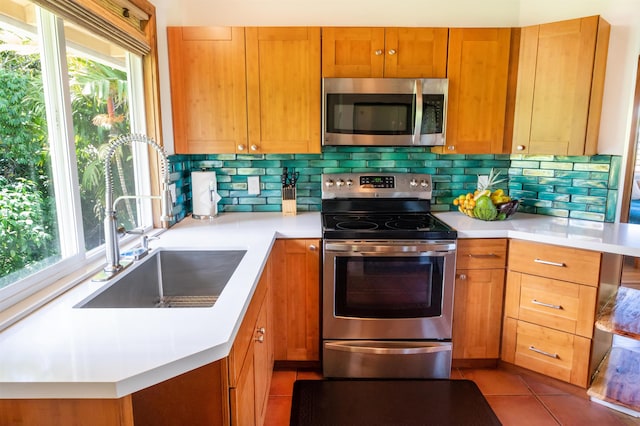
(144,241)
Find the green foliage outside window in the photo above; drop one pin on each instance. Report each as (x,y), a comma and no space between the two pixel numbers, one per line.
(100,112)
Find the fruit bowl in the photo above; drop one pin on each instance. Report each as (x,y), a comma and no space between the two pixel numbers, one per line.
(504,211)
(487,206)
(485,203)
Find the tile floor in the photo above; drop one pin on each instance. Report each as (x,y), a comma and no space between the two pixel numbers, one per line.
(517,397)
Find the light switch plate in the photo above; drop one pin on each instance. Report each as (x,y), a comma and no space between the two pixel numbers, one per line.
(253,184)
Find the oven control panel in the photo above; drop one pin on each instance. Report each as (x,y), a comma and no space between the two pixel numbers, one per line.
(370,181)
(376,185)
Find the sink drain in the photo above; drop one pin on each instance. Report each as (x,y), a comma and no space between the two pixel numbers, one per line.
(186,302)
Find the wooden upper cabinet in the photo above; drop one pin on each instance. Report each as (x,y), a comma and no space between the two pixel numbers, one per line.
(560,87)
(478,71)
(384,52)
(352,52)
(419,52)
(283,86)
(208,89)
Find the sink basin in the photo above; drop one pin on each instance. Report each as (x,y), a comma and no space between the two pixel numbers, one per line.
(170,279)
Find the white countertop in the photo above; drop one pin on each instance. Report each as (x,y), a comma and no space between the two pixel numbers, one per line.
(620,238)
(62,352)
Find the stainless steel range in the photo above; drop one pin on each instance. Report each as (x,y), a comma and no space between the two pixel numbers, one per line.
(389,272)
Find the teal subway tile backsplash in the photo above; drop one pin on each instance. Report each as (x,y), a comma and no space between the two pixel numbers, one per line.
(582,187)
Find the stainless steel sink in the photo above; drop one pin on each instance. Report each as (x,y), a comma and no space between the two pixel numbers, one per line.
(170,279)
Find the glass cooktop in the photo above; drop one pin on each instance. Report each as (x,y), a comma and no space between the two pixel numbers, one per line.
(385,226)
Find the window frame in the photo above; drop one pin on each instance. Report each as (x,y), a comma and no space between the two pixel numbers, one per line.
(27,294)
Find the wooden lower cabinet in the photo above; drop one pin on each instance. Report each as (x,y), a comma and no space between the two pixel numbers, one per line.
(77,412)
(198,397)
(251,360)
(263,360)
(550,305)
(477,314)
(296,291)
(477,308)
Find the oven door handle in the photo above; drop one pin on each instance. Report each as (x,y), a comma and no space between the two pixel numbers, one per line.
(379,348)
(408,250)
(401,253)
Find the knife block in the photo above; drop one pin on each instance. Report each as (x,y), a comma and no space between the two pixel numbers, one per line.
(289,202)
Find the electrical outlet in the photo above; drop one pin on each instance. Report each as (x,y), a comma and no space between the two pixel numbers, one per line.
(483,181)
(172,191)
(253,184)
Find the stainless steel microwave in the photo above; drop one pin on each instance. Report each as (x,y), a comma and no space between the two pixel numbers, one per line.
(384,111)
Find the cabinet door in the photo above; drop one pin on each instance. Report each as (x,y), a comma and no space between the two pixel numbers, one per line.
(263,360)
(352,52)
(208,89)
(477,313)
(243,411)
(283,86)
(415,52)
(296,294)
(478,70)
(560,79)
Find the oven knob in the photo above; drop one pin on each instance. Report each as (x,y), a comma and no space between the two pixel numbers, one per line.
(424,183)
(339,183)
(413,183)
(349,182)
(328,183)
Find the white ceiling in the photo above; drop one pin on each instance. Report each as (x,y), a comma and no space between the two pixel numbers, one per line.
(408,13)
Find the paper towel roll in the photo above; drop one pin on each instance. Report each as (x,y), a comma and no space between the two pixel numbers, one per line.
(204,192)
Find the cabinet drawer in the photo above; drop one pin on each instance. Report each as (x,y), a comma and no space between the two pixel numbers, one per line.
(481,253)
(553,353)
(561,263)
(556,304)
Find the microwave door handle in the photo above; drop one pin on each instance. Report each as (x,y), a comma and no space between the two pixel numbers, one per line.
(417,88)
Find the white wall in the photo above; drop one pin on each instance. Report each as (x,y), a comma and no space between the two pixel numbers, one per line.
(624,47)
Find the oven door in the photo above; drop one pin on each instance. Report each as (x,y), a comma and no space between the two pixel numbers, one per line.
(388,289)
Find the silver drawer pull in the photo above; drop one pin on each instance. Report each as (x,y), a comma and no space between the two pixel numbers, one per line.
(541,352)
(548,262)
(482,256)
(548,305)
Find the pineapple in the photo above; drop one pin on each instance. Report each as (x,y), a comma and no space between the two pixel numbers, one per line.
(496,196)
(491,181)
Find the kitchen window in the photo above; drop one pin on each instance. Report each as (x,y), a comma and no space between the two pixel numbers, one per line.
(65,92)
